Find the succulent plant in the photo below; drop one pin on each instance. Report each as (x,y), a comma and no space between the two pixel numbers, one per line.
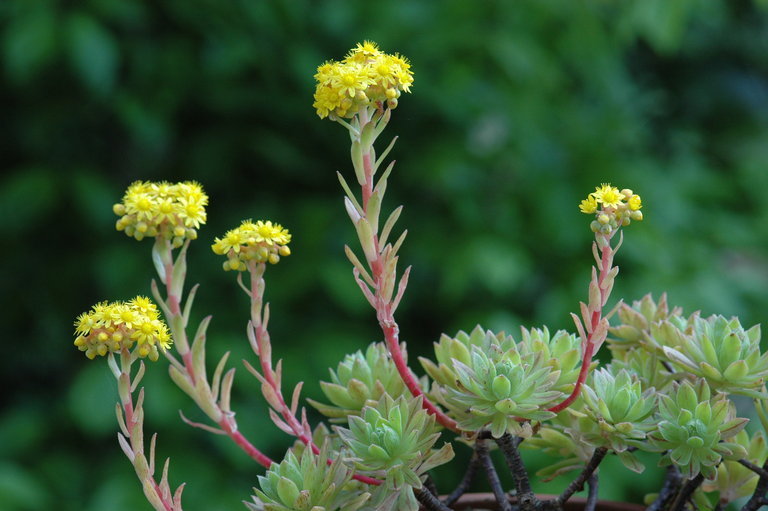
(393,440)
(646,365)
(734,480)
(638,319)
(458,348)
(562,352)
(692,427)
(617,413)
(722,352)
(499,387)
(359,379)
(307,483)
(558,437)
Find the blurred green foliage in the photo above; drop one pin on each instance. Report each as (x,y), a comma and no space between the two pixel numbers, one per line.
(518,110)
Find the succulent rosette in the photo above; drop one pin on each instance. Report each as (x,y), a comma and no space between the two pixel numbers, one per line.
(561,351)
(734,480)
(558,437)
(646,365)
(393,440)
(307,483)
(487,380)
(722,352)
(458,348)
(693,428)
(359,379)
(617,413)
(639,319)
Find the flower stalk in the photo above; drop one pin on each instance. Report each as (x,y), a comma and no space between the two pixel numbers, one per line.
(190,374)
(130,418)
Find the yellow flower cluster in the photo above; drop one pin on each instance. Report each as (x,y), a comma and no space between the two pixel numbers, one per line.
(366,76)
(173,211)
(259,242)
(612,207)
(110,327)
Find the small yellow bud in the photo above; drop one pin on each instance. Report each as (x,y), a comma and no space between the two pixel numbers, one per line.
(138,235)
(226,266)
(626,192)
(103,337)
(102,349)
(118,209)
(177,242)
(80,341)
(153,355)
(595,226)
(392,93)
(90,353)
(144,350)
(263,254)
(142,227)
(117,337)
(179,231)
(284,251)
(274,258)
(191,234)
(603,218)
(392,103)
(637,215)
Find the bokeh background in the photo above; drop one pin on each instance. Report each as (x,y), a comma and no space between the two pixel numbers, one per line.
(518,110)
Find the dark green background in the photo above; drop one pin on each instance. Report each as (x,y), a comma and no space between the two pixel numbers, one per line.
(518,110)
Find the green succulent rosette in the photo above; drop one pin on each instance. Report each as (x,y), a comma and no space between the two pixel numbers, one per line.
(734,480)
(693,428)
(561,352)
(393,440)
(722,352)
(617,413)
(359,379)
(639,319)
(458,348)
(559,438)
(307,483)
(646,365)
(487,380)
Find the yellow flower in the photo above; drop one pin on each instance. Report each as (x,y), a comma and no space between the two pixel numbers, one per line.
(608,196)
(635,202)
(261,242)
(173,211)
(117,326)
(365,77)
(588,205)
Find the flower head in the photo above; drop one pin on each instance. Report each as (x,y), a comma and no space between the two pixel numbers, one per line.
(612,208)
(173,211)
(366,76)
(111,327)
(260,242)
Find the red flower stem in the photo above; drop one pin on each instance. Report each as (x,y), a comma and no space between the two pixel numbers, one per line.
(126,401)
(227,422)
(384,307)
(264,349)
(606,262)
